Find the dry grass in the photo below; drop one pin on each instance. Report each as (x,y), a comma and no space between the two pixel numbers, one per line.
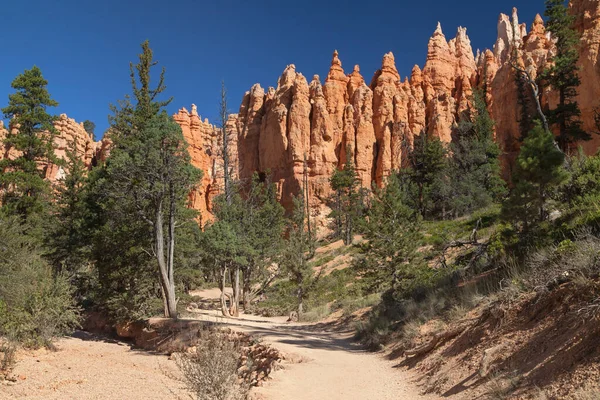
(210,372)
(501,387)
(8,360)
(316,314)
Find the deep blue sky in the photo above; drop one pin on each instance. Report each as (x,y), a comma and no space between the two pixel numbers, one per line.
(83,47)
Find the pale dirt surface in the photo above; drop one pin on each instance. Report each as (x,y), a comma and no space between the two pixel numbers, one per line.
(321,364)
(86,368)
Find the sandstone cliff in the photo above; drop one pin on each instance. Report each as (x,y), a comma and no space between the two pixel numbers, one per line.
(204,142)
(68,131)
(280,126)
(277,129)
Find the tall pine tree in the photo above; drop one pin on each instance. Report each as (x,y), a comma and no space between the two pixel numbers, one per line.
(475,167)
(392,233)
(297,253)
(425,177)
(23,188)
(538,172)
(345,200)
(147,180)
(563,75)
(67,241)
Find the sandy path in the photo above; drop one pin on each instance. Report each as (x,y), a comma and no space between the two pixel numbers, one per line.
(333,367)
(86,368)
(319,365)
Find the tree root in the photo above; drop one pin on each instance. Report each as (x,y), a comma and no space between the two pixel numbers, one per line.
(437,339)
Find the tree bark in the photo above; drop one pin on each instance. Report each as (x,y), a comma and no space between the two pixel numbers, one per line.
(300,302)
(235,299)
(166,282)
(246,289)
(222,282)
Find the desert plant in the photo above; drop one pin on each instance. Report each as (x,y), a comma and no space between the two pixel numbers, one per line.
(7,361)
(500,387)
(210,372)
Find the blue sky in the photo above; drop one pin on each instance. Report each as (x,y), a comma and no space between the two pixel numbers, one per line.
(84,47)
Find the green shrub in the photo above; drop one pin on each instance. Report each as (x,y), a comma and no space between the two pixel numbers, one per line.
(35,304)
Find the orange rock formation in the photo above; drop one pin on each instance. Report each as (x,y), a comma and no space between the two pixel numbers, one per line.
(68,131)
(205,143)
(378,122)
(277,129)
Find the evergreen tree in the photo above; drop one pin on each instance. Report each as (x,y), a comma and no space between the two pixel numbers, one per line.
(538,172)
(264,223)
(225,144)
(392,238)
(345,200)
(475,168)
(67,240)
(580,194)
(426,176)
(23,188)
(563,75)
(245,237)
(147,177)
(298,251)
(226,248)
(90,128)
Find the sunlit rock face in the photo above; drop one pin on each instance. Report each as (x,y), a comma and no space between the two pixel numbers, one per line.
(69,133)
(205,149)
(377,123)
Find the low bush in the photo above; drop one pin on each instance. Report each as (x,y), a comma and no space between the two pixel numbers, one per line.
(36,305)
(210,372)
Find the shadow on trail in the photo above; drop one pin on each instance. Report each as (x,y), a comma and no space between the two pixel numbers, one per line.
(296,336)
(93,337)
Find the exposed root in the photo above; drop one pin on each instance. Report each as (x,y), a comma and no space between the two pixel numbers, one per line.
(438,338)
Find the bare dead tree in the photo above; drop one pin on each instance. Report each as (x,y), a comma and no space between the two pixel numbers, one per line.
(536,94)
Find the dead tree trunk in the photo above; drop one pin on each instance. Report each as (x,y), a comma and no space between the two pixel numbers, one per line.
(235,298)
(222,283)
(246,288)
(164,265)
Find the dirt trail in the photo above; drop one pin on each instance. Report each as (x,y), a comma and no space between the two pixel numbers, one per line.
(325,365)
(319,365)
(86,367)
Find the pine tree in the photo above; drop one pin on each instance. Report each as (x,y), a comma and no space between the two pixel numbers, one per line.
(297,253)
(226,246)
(346,200)
(225,152)
(23,188)
(563,75)
(392,238)
(538,172)
(426,174)
(580,194)
(475,168)
(68,241)
(146,181)
(90,128)
(263,228)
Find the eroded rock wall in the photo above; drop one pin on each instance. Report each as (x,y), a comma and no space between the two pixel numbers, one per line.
(377,123)
(68,132)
